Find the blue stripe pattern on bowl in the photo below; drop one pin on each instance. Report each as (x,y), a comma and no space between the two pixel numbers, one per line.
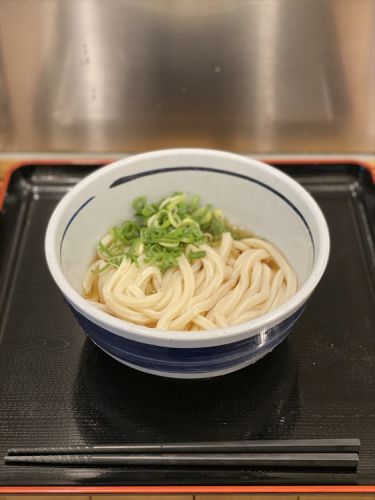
(187,360)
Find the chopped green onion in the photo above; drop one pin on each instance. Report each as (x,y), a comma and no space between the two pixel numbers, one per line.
(197,255)
(163,230)
(101,269)
(139,204)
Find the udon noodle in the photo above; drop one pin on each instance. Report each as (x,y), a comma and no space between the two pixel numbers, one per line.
(236,280)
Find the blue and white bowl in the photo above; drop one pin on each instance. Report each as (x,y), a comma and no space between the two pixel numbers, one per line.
(252,195)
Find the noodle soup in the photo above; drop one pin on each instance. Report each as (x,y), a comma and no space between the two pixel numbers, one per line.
(169,286)
(182,266)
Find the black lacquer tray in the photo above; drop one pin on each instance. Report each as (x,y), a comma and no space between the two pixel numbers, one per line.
(57,388)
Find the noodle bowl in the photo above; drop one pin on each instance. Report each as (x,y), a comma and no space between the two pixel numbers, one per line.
(205,316)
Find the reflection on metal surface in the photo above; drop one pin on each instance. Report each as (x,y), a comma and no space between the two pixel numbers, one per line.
(256,76)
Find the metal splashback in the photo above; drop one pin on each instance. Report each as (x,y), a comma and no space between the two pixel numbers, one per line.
(259,76)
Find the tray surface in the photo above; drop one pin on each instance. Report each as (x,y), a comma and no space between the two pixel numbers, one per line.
(57,388)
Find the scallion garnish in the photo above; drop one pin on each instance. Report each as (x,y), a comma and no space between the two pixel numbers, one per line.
(162,231)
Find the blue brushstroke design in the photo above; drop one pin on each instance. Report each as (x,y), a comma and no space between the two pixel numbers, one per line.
(72,219)
(187,360)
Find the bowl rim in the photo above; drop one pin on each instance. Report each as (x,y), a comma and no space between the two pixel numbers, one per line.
(216,336)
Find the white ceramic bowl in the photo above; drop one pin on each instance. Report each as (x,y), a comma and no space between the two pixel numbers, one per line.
(251,194)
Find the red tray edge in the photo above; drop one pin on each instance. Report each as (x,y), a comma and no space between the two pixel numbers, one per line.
(168,490)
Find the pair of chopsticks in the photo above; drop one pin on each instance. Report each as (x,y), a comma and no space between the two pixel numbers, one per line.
(341,453)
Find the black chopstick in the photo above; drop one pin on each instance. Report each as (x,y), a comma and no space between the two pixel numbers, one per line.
(341,460)
(281,446)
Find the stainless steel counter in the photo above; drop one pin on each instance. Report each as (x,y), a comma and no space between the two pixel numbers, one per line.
(256,76)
